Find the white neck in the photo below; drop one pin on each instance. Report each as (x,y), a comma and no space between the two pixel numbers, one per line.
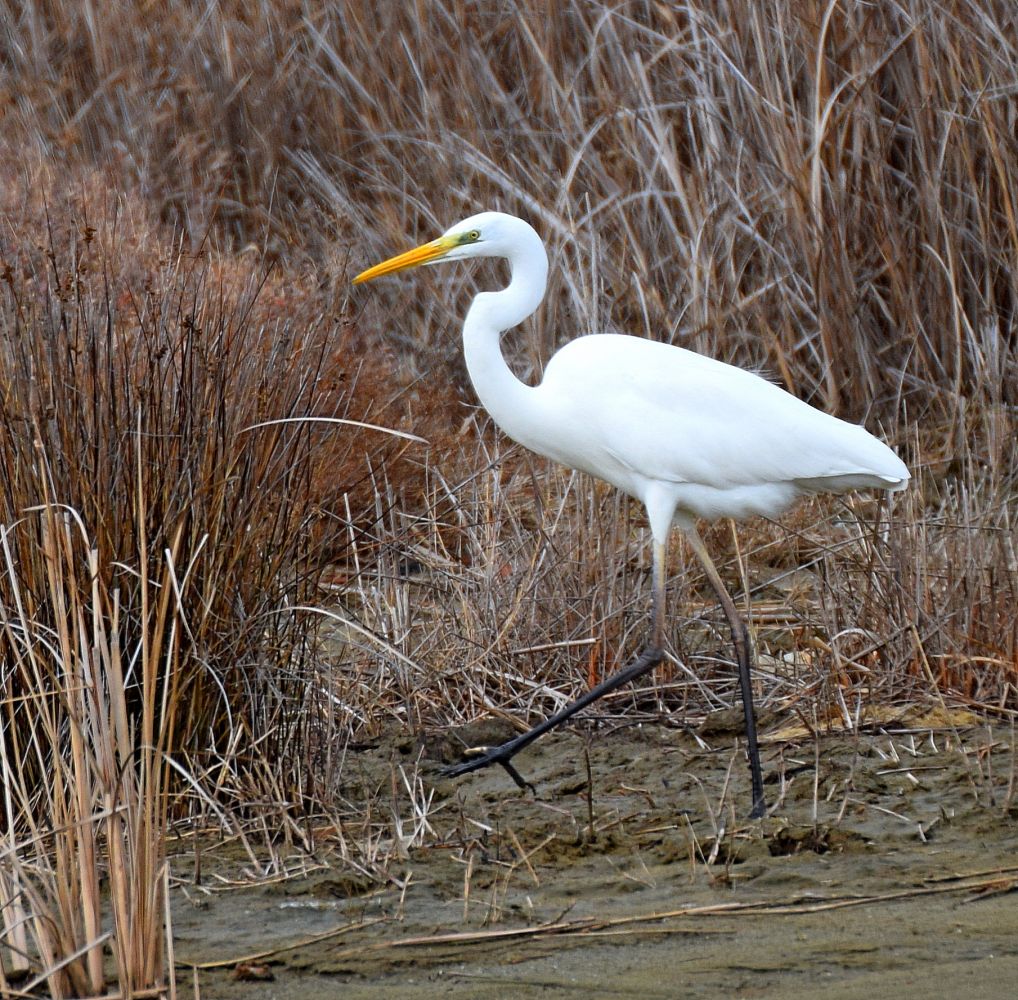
(502,394)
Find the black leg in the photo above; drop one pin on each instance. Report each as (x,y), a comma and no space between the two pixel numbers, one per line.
(503,754)
(744,657)
(646,662)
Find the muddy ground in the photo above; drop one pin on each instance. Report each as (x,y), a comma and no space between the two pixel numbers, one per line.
(887,867)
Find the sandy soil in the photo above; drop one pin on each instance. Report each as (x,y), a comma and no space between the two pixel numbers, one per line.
(886,868)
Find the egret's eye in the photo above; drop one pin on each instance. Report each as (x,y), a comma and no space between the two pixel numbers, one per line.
(474,235)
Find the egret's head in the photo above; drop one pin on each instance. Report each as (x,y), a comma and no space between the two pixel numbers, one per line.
(489,234)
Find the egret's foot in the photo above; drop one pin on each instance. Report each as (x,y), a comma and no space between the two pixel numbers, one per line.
(486,756)
(759,810)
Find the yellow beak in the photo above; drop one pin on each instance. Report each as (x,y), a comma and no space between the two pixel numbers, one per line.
(412,258)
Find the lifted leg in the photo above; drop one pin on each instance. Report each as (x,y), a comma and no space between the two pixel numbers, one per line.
(503,754)
(646,662)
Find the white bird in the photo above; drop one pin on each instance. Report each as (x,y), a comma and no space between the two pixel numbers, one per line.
(688,436)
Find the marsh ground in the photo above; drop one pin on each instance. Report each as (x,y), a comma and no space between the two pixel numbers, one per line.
(887,868)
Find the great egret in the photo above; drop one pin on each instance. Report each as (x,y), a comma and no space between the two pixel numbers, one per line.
(688,436)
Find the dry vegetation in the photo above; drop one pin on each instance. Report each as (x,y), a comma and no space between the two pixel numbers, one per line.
(827,191)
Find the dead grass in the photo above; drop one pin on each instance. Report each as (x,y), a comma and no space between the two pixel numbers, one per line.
(165,521)
(825,191)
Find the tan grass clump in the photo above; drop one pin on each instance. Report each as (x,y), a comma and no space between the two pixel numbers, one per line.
(168,420)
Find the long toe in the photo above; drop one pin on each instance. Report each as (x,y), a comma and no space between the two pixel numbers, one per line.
(455,770)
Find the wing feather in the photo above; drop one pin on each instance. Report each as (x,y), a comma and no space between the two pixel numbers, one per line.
(671,414)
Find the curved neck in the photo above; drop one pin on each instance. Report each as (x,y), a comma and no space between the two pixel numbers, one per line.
(500,391)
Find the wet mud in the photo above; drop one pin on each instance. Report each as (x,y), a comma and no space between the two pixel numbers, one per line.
(886,867)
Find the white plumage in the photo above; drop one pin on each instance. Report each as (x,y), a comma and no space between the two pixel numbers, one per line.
(718,440)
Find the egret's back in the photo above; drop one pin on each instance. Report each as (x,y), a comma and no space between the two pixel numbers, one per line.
(728,442)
